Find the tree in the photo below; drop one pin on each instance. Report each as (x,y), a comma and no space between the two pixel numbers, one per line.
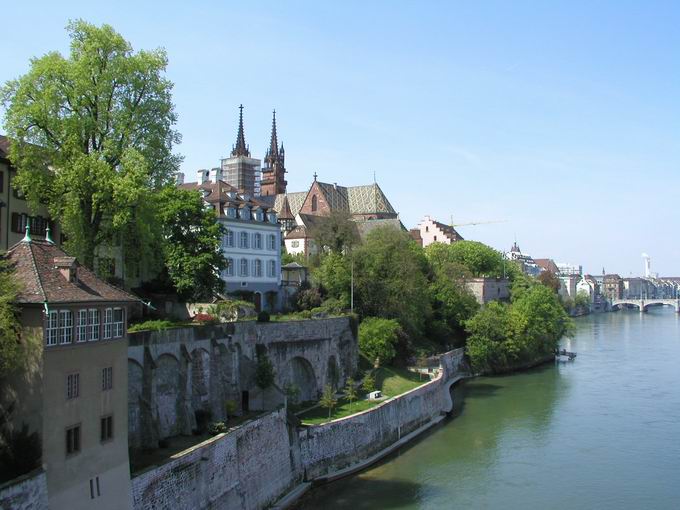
(92,138)
(264,371)
(582,299)
(328,400)
(191,243)
(368,385)
(10,345)
(378,337)
(350,391)
(292,392)
(550,280)
(334,276)
(391,280)
(336,233)
(478,258)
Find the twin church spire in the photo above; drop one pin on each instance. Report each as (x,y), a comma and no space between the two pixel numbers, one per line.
(273,181)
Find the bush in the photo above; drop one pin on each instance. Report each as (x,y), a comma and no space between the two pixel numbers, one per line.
(264,371)
(152,325)
(230,408)
(20,451)
(378,338)
(231,310)
(263,316)
(217,427)
(205,318)
(308,299)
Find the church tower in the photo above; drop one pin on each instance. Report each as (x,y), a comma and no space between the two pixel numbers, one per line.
(273,173)
(239,169)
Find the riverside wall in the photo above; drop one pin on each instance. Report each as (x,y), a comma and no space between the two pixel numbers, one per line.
(28,492)
(341,443)
(247,468)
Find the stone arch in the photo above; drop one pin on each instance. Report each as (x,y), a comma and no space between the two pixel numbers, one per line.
(135,389)
(301,374)
(168,378)
(332,373)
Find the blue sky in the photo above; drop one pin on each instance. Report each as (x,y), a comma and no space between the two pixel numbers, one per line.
(562,118)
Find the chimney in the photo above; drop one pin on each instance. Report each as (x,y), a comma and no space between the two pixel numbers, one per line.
(202,176)
(215,174)
(67,267)
(180,178)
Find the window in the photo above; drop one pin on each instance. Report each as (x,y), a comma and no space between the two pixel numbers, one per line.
(93,325)
(243,270)
(107,378)
(231,212)
(243,240)
(2,182)
(245,213)
(272,217)
(271,268)
(257,241)
(106,428)
(257,268)
(108,323)
(52,327)
(118,322)
(65,327)
(73,440)
(427,229)
(295,244)
(229,271)
(229,239)
(314,203)
(435,238)
(272,242)
(94,488)
(72,386)
(38,224)
(81,328)
(19,222)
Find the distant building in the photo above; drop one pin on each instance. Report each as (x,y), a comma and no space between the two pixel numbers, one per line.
(240,170)
(15,215)
(489,289)
(589,285)
(612,287)
(637,288)
(274,171)
(569,269)
(568,285)
(75,398)
(432,231)
(251,242)
(526,263)
(547,265)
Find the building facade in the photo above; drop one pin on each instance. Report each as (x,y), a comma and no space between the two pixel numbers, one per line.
(525,262)
(251,242)
(75,396)
(15,214)
(432,231)
(612,286)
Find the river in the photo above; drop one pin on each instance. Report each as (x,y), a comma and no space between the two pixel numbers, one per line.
(601,432)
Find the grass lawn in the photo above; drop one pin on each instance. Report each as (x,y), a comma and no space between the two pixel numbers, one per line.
(391,381)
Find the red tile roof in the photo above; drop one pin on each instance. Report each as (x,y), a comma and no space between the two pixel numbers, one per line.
(41,281)
(547,265)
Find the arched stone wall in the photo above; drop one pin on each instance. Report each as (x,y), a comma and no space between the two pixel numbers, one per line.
(135,389)
(332,373)
(301,374)
(168,402)
(200,379)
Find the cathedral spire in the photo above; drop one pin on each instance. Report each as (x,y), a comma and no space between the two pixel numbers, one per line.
(274,143)
(240,149)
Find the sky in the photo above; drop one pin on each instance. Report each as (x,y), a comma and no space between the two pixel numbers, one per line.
(560,121)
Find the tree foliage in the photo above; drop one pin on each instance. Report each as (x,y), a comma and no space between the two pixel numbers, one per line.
(478,258)
(503,336)
(350,391)
(264,371)
(334,275)
(336,233)
(378,337)
(191,243)
(92,138)
(550,280)
(10,344)
(328,400)
(391,280)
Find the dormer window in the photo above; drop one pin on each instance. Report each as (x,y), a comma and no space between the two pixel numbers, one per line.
(67,267)
(245,213)
(272,217)
(231,212)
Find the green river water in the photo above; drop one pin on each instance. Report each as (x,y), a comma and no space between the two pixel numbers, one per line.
(601,432)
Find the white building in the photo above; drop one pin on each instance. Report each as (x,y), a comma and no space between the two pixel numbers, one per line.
(252,239)
(432,231)
(525,261)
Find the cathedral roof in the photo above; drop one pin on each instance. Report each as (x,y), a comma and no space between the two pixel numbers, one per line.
(368,199)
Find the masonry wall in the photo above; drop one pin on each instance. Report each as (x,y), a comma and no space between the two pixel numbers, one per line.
(341,443)
(248,468)
(489,289)
(28,492)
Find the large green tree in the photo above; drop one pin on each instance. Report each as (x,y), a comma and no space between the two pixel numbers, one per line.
(10,347)
(378,338)
(391,279)
(92,138)
(478,258)
(336,233)
(191,243)
(334,275)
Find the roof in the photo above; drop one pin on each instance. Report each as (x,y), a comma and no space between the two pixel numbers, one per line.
(218,192)
(547,265)
(41,281)
(293,265)
(4,147)
(368,199)
(366,226)
(299,232)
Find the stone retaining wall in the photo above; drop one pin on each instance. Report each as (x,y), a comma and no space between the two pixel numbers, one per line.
(248,468)
(28,492)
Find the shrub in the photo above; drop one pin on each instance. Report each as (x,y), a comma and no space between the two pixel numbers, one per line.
(264,371)
(378,337)
(230,408)
(263,316)
(205,318)
(152,325)
(217,427)
(231,310)
(20,451)
(308,299)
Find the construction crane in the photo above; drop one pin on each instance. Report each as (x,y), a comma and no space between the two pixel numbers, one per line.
(475,223)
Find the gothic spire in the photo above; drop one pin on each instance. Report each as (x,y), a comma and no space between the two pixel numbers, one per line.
(240,149)
(274,143)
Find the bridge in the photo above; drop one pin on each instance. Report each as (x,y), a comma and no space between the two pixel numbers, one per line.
(644,303)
